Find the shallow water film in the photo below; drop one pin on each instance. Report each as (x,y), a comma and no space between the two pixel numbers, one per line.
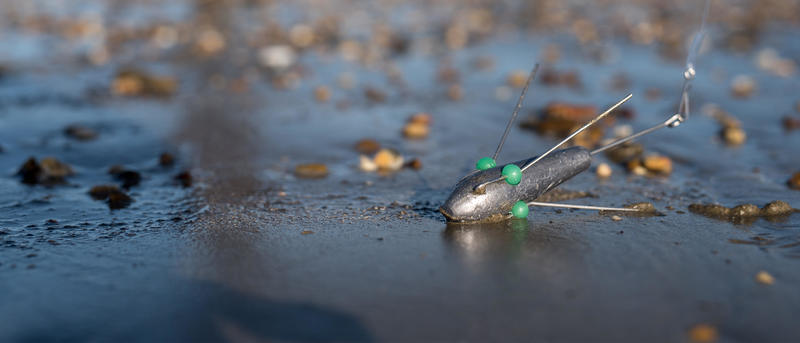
(261,170)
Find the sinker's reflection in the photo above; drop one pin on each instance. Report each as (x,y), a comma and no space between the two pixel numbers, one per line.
(509,241)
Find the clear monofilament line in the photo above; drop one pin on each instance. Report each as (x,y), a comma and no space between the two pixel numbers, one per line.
(581,207)
(516,111)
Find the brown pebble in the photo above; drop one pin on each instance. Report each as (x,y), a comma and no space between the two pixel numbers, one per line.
(129,178)
(133,82)
(166,159)
(101,192)
(306,232)
(415,164)
(416,130)
(733,135)
(54,169)
(322,94)
(185,178)
(625,152)
(30,171)
(311,170)
(794,181)
(764,278)
(81,133)
(658,164)
(454,92)
(421,118)
(703,333)
(791,123)
(374,94)
(367,146)
(118,199)
(776,208)
(517,78)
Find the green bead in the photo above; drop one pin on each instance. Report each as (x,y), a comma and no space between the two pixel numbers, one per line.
(485,163)
(512,173)
(520,209)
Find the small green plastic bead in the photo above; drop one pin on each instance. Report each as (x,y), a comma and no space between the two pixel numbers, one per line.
(485,163)
(512,173)
(520,209)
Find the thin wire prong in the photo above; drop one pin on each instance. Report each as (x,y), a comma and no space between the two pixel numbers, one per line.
(516,111)
(581,207)
(672,120)
(584,127)
(478,188)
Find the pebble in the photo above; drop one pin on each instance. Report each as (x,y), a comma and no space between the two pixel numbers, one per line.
(794,181)
(129,178)
(388,160)
(791,123)
(454,92)
(415,164)
(733,135)
(185,178)
(742,86)
(132,82)
(745,210)
(375,95)
(616,218)
(311,170)
(517,78)
(367,164)
(322,94)
(658,164)
(47,171)
(603,171)
(415,130)
(101,192)
(643,207)
(166,159)
(367,146)
(277,56)
(118,200)
(776,208)
(625,152)
(703,333)
(81,133)
(764,278)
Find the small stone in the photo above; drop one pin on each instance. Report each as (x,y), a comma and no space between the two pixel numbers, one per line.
(416,130)
(603,171)
(311,170)
(129,178)
(415,164)
(794,181)
(306,232)
(703,333)
(745,210)
(79,132)
(421,117)
(764,278)
(102,192)
(31,170)
(118,200)
(388,160)
(658,164)
(743,86)
(185,178)
(277,56)
(625,152)
(374,94)
(776,208)
(166,159)
(733,135)
(367,164)
(616,218)
(367,146)
(517,78)
(454,92)
(322,94)
(791,123)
